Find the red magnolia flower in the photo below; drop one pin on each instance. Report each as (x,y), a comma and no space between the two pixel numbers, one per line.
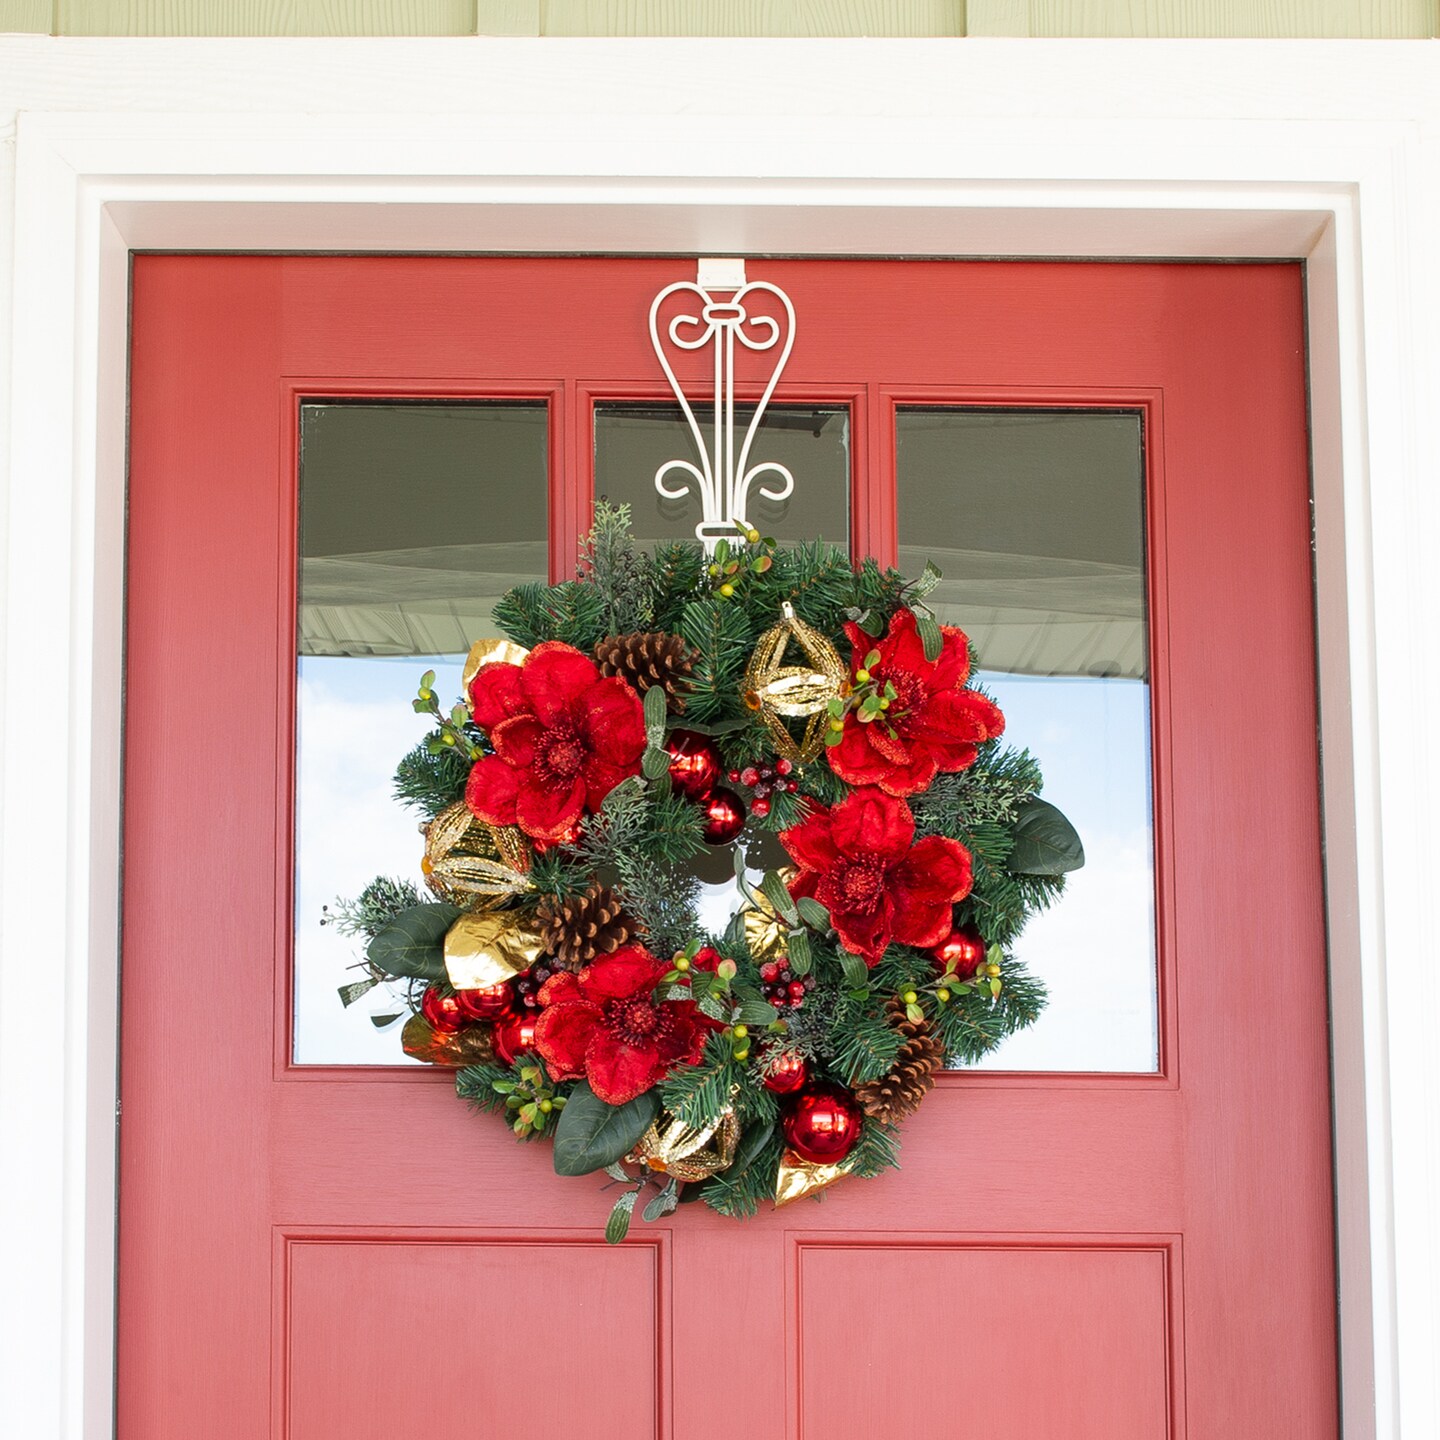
(606,1025)
(862,862)
(934,723)
(564,739)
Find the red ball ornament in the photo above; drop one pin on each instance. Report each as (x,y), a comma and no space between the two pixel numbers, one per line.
(965,946)
(789,1072)
(443,1010)
(823,1124)
(724,816)
(488,1004)
(694,763)
(514,1036)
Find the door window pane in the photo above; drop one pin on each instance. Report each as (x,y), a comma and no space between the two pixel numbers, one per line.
(812,441)
(1037,521)
(414,519)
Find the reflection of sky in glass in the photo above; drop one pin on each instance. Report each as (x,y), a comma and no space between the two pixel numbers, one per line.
(1095,949)
(355,722)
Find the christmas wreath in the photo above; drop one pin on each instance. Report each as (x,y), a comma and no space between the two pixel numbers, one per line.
(806,723)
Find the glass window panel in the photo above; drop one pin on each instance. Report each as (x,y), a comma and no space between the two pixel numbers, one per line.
(632,441)
(414,519)
(1037,521)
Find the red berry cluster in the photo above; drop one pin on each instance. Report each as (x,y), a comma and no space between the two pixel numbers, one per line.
(527,986)
(762,780)
(782,987)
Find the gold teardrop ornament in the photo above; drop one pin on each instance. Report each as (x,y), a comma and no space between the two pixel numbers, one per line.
(483,949)
(778,692)
(798,1178)
(673,1148)
(471,864)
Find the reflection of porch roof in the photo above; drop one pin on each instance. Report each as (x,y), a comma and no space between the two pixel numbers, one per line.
(1026,614)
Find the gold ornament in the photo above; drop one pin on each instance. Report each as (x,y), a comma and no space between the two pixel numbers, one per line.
(766,933)
(489,652)
(472,864)
(483,949)
(776,691)
(798,1178)
(673,1148)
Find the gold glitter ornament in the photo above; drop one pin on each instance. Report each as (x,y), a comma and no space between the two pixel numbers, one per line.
(471,864)
(483,949)
(798,1178)
(673,1148)
(777,691)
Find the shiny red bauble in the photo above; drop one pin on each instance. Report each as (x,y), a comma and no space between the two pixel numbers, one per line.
(694,763)
(488,1004)
(443,1010)
(965,947)
(822,1124)
(514,1036)
(724,816)
(789,1072)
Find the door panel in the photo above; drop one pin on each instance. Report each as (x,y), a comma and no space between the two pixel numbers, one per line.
(314,1251)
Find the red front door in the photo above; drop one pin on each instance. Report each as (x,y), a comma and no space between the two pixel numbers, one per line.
(330,1251)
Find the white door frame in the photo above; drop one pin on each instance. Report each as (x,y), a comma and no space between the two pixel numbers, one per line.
(1018,148)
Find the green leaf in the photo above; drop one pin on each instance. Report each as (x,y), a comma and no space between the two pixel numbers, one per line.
(427,680)
(349,994)
(752,1142)
(799,957)
(930,636)
(857,973)
(715,1009)
(592,1134)
(655,715)
(1046,843)
(655,762)
(756,1012)
(617,1172)
(617,1227)
(813,913)
(663,1203)
(779,896)
(412,945)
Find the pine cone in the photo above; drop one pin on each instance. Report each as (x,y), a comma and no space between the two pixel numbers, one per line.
(576,930)
(649,657)
(897,1094)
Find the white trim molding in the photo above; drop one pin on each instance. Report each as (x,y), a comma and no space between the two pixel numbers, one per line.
(1325,151)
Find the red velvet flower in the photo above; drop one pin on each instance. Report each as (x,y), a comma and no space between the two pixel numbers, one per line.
(934,723)
(862,862)
(606,1025)
(564,738)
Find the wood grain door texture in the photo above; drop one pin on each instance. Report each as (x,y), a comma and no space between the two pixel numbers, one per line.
(326,1252)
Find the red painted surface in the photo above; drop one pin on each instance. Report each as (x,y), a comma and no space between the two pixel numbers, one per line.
(346,1253)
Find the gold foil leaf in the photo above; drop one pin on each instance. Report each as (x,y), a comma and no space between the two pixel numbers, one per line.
(766,934)
(483,949)
(470,1046)
(673,1148)
(490,652)
(798,1178)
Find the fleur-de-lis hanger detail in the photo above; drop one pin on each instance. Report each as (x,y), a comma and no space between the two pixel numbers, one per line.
(724,475)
